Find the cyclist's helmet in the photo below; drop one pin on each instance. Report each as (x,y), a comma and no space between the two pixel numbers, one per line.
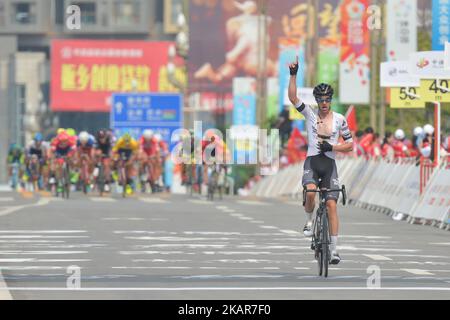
(101,134)
(38,137)
(147,134)
(63,137)
(323,89)
(83,137)
(71,132)
(428,129)
(158,137)
(418,131)
(60,130)
(126,138)
(399,134)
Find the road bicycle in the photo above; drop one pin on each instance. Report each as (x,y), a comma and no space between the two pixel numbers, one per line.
(320,241)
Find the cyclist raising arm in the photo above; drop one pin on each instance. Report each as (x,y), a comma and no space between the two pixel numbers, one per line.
(324,128)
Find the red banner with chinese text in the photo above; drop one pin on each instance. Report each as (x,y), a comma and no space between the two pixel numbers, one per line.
(85,73)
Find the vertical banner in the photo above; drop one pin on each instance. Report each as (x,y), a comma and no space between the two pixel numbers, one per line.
(244,117)
(441,24)
(401,29)
(272,97)
(329,45)
(355,45)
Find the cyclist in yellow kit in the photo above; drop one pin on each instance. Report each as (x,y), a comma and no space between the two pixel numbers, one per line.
(126,148)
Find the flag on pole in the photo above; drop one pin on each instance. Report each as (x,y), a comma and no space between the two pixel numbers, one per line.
(351,118)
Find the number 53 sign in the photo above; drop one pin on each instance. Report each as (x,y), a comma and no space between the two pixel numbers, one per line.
(429,91)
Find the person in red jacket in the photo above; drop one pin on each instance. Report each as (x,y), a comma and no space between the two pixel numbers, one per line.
(400,149)
(366,142)
(387,151)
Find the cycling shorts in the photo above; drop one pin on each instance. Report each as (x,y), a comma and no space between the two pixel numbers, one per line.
(126,153)
(323,168)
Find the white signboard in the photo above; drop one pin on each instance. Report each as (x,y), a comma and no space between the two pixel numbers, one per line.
(396,74)
(447,56)
(401,29)
(428,65)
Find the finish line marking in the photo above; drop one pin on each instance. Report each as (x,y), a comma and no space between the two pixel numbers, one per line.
(232,289)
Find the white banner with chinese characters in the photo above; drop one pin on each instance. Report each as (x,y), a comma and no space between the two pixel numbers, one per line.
(428,65)
(396,74)
(401,29)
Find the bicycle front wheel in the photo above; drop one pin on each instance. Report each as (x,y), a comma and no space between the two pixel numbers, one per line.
(325,244)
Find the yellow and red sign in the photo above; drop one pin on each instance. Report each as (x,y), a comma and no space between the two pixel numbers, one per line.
(86,72)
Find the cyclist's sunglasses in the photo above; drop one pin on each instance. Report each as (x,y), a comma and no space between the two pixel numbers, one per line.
(327,100)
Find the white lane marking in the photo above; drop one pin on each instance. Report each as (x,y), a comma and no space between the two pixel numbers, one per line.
(200,201)
(43,260)
(419,272)
(166,267)
(268,227)
(293,232)
(229,288)
(31,241)
(245,218)
(221,207)
(236,215)
(34,267)
(150,252)
(4,292)
(42,252)
(176,238)
(218,276)
(161,260)
(440,243)
(301,268)
(123,219)
(6,199)
(377,257)
(352,248)
(102,199)
(366,223)
(253,203)
(190,246)
(153,200)
(9,210)
(42,231)
(364,237)
(41,236)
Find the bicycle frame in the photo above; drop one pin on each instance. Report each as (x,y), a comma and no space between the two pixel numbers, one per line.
(321,232)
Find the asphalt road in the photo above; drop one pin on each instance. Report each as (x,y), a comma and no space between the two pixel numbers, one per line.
(180,247)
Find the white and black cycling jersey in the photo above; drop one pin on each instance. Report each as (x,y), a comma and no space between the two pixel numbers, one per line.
(339,128)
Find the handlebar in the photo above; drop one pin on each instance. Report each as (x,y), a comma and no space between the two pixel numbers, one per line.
(324,191)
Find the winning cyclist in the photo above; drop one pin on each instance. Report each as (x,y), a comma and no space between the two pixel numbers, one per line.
(149,155)
(324,128)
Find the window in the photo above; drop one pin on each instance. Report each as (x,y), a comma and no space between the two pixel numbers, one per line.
(2,14)
(59,12)
(88,12)
(24,13)
(126,13)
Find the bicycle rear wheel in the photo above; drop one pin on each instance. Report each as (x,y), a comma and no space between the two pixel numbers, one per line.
(317,243)
(101,180)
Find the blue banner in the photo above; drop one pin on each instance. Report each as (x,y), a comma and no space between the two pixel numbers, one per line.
(441,24)
(133,113)
(244,110)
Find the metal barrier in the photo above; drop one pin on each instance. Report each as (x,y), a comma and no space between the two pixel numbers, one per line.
(402,189)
